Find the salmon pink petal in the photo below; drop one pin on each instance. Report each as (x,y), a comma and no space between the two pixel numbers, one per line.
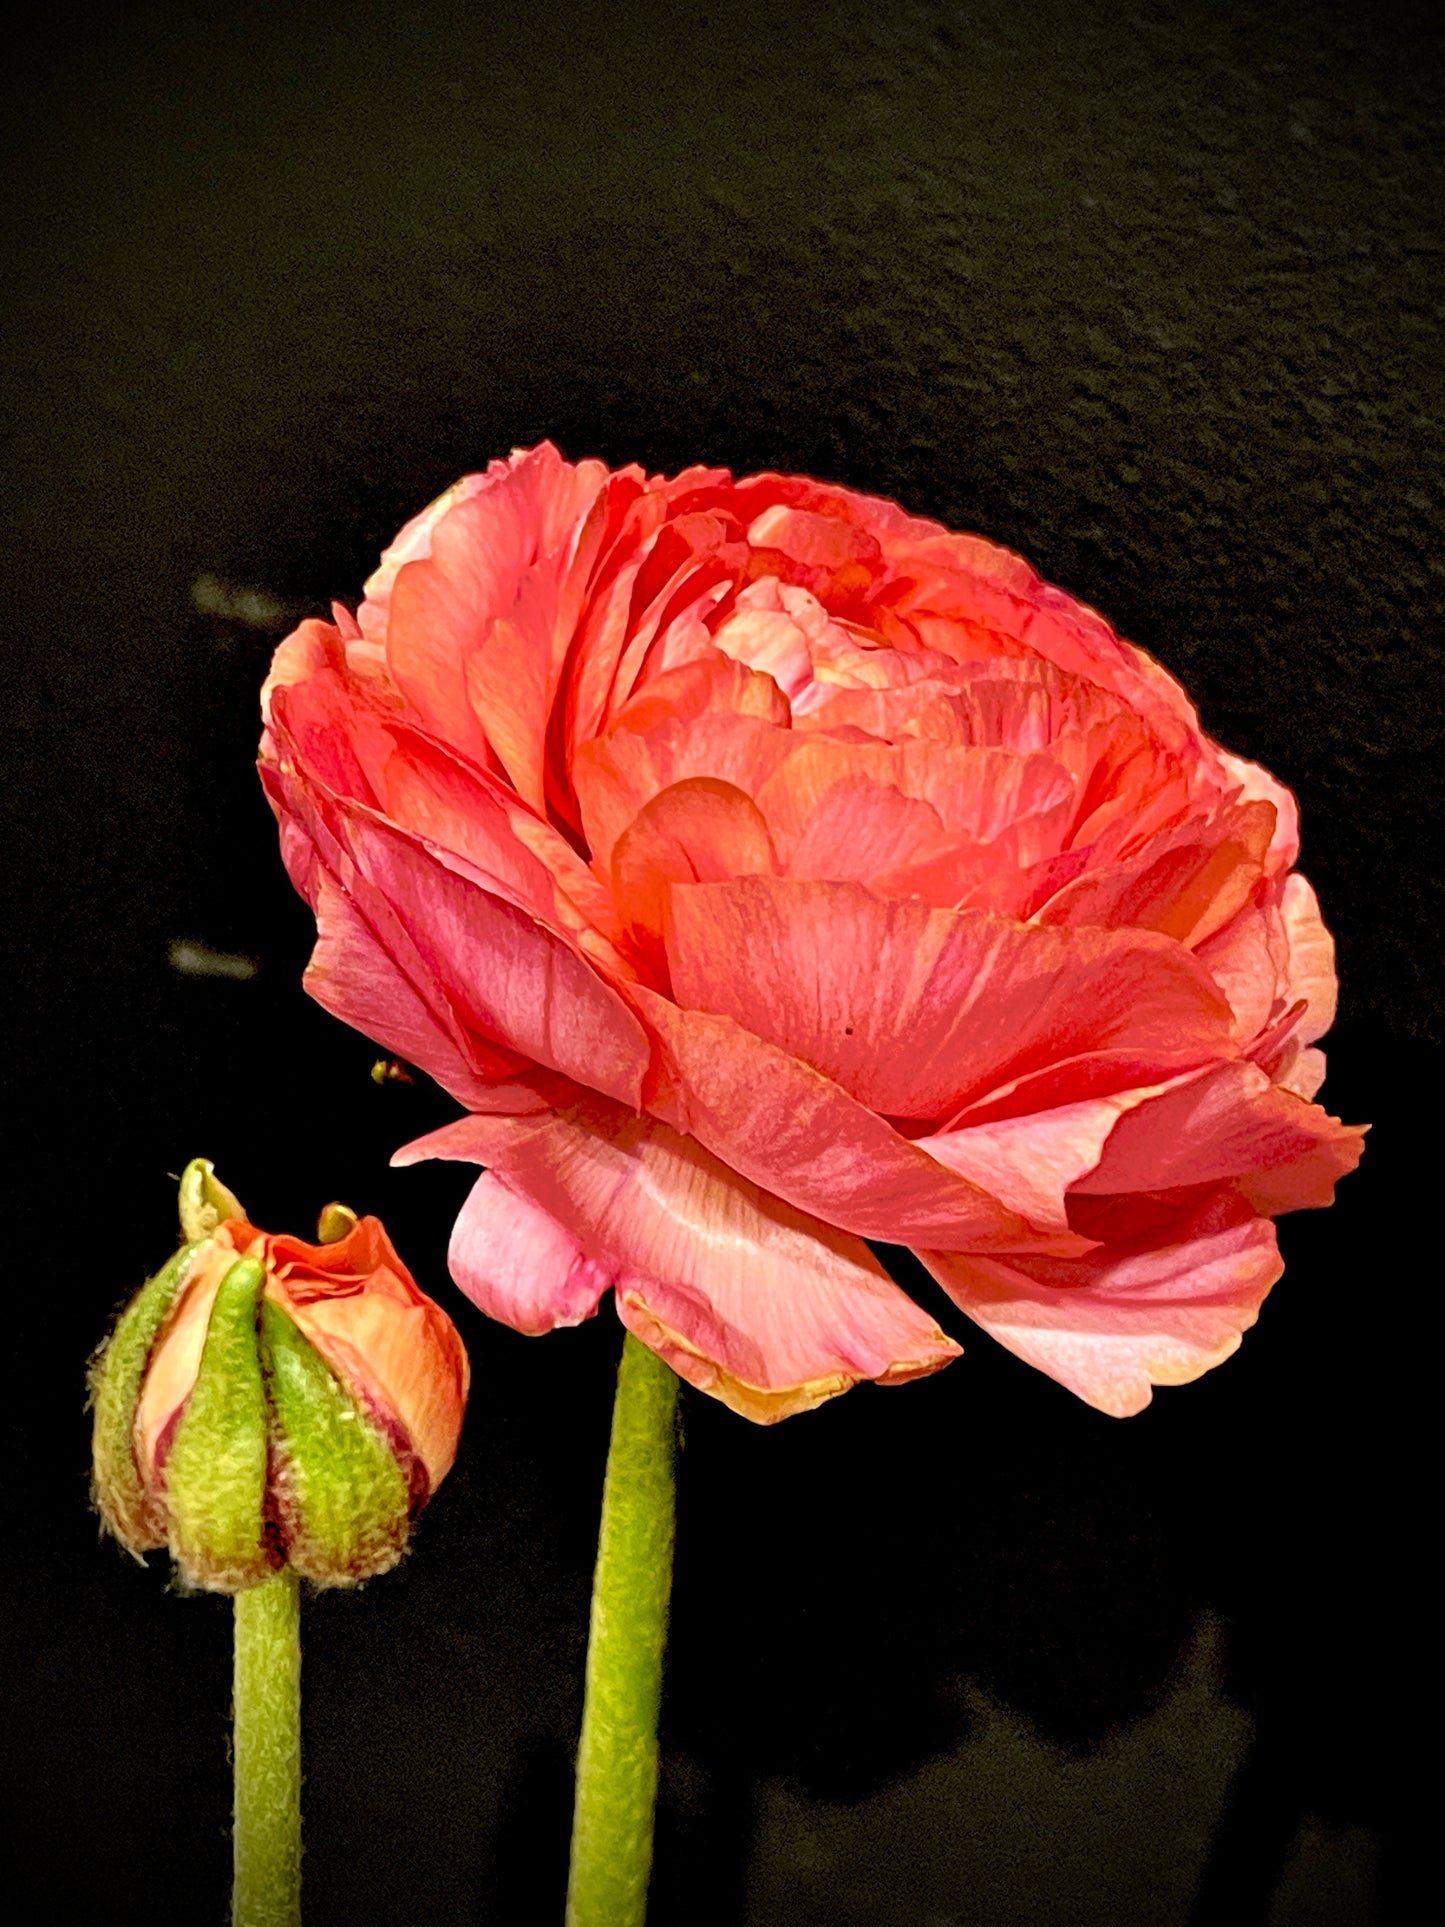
(520,857)
(1187,885)
(617,776)
(912,1010)
(1310,972)
(355,745)
(1100,1073)
(860,827)
(1302,1072)
(496,554)
(612,552)
(1131,787)
(787,1127)
(509,685)
(1117,1324)
(819,541)
(770,1311)
(509,980)
(412,543)
(354,975)
(1030,1162)
(389,1338)
(1247,960)
(1230,1123)
(1255,784)
(365,968)
(976,793)
(700,830)
(686,574)
(519,1263)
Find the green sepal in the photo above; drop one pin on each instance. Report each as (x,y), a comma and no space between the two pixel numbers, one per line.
(216,1474)
(341,1496)
(117,1372)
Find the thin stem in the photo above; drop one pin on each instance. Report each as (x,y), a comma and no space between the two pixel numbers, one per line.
(617,1758)
(267,1748)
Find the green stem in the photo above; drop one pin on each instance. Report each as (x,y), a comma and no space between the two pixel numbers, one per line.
(267,1748)
(617,1758)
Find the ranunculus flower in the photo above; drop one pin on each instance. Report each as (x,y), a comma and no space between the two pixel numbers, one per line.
(767,871)
(264,1401)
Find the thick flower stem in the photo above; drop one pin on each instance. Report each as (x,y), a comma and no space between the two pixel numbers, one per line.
(267,1751)
(617,1758)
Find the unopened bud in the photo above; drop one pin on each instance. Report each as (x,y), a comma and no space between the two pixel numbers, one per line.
(264,1401)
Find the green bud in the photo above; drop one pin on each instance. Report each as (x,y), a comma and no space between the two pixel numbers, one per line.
(264,1402)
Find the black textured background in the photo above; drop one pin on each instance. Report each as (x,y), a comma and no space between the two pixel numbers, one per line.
(1152,294)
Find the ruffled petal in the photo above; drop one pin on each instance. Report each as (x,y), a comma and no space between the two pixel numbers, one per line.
(496,555)
(913,1010)
(1247,961)
(698,830)
(503,978)
(1112,1326)
(1030,1162)
(716,719)
(1232,1124)
(519,1263)
(354,975)
(388,1341)
(1310,972)
(1186,884)
(784,1125)
(746,1298)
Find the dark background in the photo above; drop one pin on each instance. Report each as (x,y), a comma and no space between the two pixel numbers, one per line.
(1152,294)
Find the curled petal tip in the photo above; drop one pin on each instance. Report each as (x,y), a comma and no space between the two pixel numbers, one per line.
(205,1203)
(335,1222)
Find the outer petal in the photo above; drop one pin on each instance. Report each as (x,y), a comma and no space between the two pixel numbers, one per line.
(768,1310)
(1256,783)
(519,1263)
(1310,973)
(359,1307)
(1246,960)
(1031,1161)
(1113,1326)
(1229,1124)
(913,1010)
(508,979)
(354,976)
(364,970)
(786,1126)
(512,531)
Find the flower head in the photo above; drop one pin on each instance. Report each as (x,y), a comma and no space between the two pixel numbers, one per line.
(264,1401)
(766,871)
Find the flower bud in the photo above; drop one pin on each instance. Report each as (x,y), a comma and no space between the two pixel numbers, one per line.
(264,1401)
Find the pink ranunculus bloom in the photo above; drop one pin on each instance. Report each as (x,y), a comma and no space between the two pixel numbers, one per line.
(766,870)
